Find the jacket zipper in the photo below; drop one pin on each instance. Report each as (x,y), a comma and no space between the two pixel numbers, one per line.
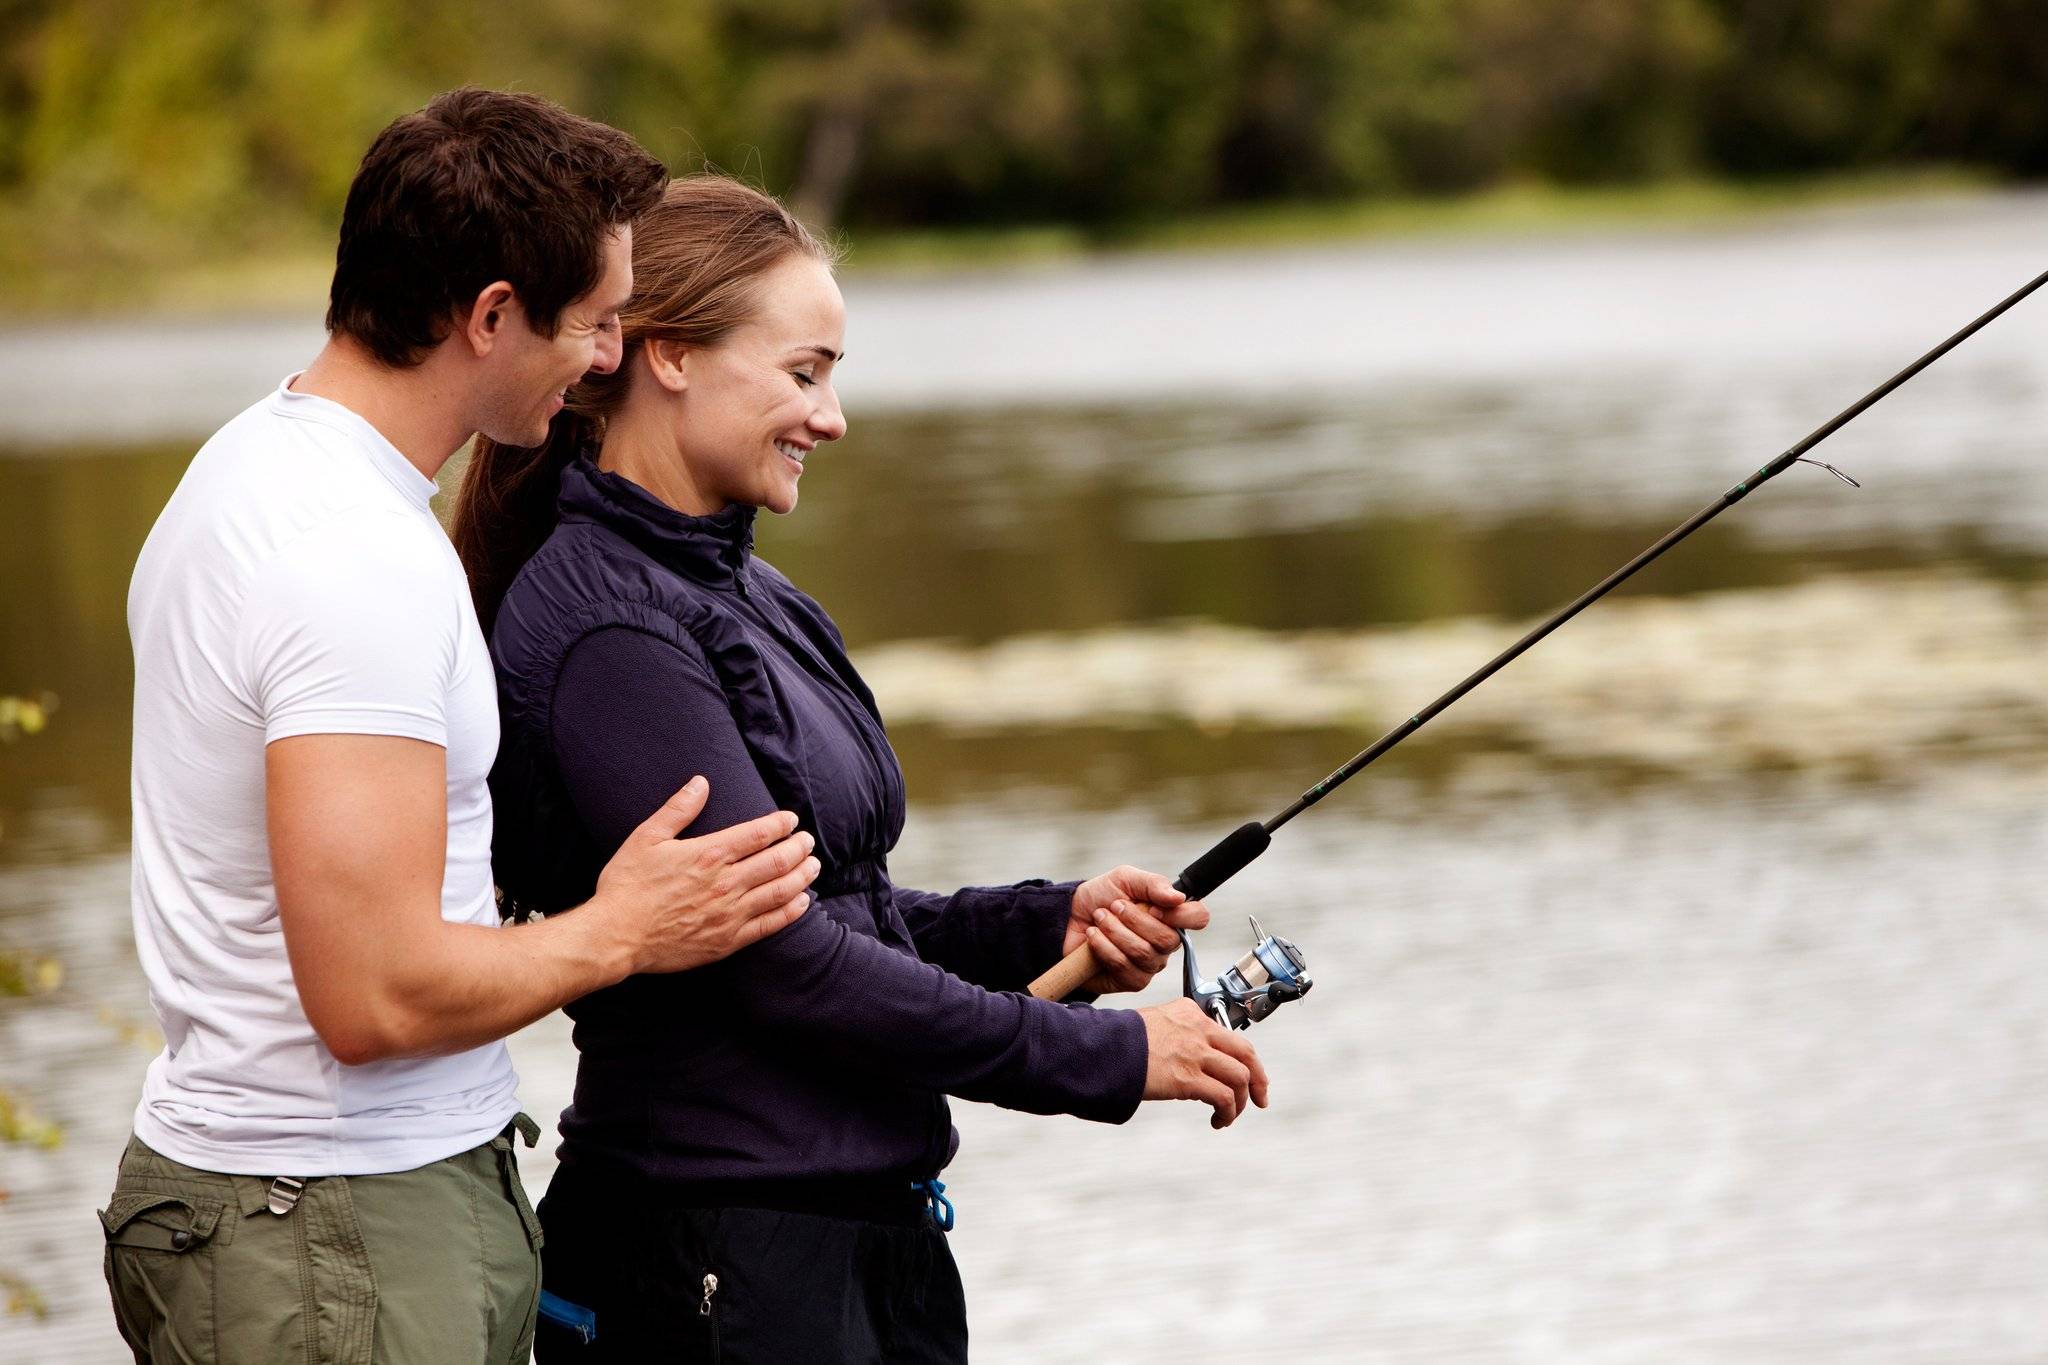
(705,1312)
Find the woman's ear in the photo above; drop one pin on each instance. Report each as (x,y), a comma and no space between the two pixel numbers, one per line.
(669,363)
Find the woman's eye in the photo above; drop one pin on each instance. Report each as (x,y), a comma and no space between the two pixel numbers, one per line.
(804,379)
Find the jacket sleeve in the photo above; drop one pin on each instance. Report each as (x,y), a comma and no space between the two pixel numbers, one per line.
(1000,937)
(634,717)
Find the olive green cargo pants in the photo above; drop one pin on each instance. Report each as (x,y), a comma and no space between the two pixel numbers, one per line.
(437,1266)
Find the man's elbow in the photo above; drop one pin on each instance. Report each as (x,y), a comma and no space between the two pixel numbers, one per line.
(359,1037)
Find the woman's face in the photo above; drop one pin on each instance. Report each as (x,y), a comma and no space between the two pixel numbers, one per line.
(754,407)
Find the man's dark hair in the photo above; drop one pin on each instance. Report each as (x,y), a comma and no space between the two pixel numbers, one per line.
(480,185)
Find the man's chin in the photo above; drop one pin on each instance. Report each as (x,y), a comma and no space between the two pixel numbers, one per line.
(526,439)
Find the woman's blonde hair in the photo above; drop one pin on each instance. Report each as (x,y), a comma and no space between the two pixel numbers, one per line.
(698,256)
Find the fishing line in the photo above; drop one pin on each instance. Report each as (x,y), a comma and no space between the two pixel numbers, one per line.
(1274,971)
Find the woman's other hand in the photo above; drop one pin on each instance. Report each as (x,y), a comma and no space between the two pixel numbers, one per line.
(680,903)
(1131,919)
(1189,1056)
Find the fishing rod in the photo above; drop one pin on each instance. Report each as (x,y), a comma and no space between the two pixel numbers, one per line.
(1274,972)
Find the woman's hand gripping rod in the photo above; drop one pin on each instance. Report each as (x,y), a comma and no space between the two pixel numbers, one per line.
(1272,973)
(1258,983)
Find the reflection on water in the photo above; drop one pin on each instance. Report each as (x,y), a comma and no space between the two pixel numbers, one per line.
(1732,1072)
(1678,990)
(978,527)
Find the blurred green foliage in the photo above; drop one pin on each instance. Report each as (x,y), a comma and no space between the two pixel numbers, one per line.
(169,131)
(24,715)
(22,1297)
(25,974)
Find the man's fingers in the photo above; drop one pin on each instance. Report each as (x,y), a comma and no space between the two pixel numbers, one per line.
(774,922)
(738,842)
(674,815)
(775,893)
(774,860)
(1186,915)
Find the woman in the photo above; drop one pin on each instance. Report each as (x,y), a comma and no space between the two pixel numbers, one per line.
(749,1165)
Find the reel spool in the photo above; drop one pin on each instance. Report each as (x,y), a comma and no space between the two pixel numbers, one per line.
(1273,973)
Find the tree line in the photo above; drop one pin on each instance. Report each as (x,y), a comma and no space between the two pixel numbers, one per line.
(133,126)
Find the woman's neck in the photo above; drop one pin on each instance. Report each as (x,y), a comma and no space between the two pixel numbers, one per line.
(647,454)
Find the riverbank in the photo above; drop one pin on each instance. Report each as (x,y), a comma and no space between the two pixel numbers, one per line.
(289,277)
(1791,679)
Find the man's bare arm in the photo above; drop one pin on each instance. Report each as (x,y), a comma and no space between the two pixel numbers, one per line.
(358,844)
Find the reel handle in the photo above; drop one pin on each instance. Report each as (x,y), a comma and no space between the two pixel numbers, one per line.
(1228,858)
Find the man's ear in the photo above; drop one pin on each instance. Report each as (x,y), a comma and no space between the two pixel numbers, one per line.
(669,363)
(494,309)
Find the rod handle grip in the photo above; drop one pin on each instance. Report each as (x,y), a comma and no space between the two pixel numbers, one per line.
(1222,862)
(1066,975)
(1229,857)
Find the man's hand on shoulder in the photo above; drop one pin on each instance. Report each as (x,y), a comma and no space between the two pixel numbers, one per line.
(358,848)
(673,904)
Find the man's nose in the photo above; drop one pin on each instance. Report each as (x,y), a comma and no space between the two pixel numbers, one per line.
(610,349)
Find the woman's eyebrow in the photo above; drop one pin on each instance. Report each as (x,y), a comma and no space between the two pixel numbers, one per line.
(822,352)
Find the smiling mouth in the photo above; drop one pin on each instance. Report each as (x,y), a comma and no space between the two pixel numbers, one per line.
(792,450)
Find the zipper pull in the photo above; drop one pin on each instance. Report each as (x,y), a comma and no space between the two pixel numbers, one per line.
(710,1288)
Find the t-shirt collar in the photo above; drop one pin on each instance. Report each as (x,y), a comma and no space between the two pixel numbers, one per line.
(403,474)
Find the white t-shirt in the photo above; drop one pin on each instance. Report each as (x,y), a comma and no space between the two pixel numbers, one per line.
(297,583)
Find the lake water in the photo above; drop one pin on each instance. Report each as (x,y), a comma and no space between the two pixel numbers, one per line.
(1678,992)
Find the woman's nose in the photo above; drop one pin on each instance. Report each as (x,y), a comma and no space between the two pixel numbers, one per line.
(827,420)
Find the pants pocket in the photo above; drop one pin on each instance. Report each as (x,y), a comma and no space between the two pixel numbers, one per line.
(707,1309)
(160,1271)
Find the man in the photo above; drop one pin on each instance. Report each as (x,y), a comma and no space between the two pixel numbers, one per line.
(323,1165)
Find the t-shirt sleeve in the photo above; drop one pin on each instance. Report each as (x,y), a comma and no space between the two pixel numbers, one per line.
(351,629)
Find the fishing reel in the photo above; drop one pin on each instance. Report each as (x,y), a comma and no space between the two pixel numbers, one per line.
(1271,974)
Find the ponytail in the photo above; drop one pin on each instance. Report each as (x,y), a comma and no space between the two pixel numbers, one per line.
(505,510)
(697,256)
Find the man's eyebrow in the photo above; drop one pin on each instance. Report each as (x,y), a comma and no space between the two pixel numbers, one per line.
(822,352)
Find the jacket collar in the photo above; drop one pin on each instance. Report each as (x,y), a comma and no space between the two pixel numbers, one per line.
(712,549)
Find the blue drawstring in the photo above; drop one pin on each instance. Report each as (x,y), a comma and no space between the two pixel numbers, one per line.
(570,1317)
(938,1208)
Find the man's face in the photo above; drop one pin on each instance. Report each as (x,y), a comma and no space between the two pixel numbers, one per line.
(531,373)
